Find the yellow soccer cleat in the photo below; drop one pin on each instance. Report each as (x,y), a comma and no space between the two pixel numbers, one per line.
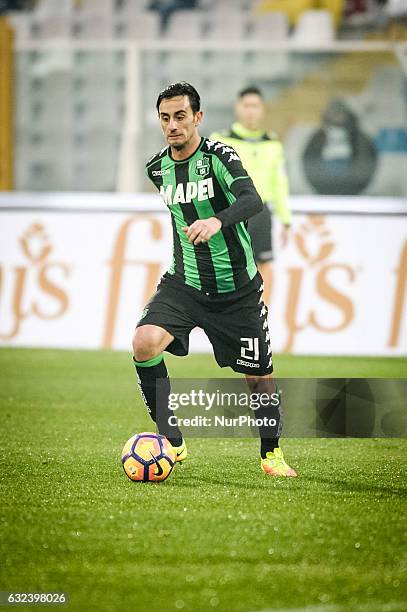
(180,452)
(275,465)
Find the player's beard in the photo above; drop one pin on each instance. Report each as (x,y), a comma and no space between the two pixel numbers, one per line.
(179,146)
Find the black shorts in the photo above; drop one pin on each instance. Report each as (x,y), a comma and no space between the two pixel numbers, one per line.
(260,229)
(235,323)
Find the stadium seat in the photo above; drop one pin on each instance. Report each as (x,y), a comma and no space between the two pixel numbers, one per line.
(93,19)
(99,66)
(397,8)
(227,6)
(206,5)
(46,7)
(94,27)
(226,27)
(21,22)
(52,19)
(314,27)
(51,26)
(185,25)
(139,25)
(266,66)
(291,8)
(183,67)
(213,90)
(139,5)
(98,7)
(271,27)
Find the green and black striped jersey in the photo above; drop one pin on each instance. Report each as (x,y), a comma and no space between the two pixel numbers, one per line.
(199,187)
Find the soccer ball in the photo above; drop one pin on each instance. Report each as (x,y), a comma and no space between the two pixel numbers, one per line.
(148,457)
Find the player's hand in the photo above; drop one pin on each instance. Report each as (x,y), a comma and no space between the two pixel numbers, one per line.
(202,230)
(285,233)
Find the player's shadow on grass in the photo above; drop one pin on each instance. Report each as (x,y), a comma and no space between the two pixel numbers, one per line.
(232,483)
(349,485)
(263,482)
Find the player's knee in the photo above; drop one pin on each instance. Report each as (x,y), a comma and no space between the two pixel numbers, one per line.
(261,384)
(146,343)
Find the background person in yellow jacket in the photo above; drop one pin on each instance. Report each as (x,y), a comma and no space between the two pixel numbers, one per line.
(262,156)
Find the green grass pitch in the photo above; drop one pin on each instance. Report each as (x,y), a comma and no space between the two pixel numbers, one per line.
(218,534)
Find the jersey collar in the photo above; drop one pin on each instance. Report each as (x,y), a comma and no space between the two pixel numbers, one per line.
(181,161)
(246,134)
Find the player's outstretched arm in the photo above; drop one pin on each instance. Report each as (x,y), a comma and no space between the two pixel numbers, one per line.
(248,203)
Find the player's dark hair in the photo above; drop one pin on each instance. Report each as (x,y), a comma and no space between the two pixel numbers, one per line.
(250,90)
(180,89)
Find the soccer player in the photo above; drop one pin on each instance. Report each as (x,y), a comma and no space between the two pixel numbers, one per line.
(213,282)
(262,156)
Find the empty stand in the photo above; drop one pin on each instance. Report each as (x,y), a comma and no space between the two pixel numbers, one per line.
(271,27)
(314,27)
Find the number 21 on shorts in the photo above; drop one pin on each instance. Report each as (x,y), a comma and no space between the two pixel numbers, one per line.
(250,349)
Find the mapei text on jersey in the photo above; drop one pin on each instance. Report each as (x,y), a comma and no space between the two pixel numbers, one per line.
(185,193)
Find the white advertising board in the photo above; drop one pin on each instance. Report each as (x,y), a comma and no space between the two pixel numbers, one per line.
(76,271)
